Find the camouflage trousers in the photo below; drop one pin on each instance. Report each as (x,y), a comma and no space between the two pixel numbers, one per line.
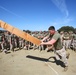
(74,44)
(61,54)
(66,44)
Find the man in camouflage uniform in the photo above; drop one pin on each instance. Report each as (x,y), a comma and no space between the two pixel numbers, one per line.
(40,36)
(56,42)
(74,42)
(1,44)
(5,43)
(12,42)
(61,36)
(70,38)
(66,38)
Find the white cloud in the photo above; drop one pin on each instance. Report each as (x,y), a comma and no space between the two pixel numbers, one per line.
(58,23)
(61,4)
(10,12)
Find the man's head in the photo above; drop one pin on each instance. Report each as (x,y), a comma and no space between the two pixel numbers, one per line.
(51,30)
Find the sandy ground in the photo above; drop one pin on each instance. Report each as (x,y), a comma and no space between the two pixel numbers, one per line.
(34,62)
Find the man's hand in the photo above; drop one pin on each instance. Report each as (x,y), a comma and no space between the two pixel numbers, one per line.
(42,43)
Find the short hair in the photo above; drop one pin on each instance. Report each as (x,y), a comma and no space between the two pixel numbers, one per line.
(51,28)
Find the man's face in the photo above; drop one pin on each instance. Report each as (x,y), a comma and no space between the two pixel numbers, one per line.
(51,32)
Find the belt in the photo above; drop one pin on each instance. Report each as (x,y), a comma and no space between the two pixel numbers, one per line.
(59,48)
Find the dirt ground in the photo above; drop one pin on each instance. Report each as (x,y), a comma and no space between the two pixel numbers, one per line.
(34,62)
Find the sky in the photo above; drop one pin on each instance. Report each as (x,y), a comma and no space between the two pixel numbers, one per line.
(38,15)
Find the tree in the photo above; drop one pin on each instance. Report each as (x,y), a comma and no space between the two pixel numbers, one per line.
(27,31)
(66,29)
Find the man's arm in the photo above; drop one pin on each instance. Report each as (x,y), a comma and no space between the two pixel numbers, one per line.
(45,38)
(51,42)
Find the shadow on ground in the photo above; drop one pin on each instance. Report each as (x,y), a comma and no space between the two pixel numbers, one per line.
(58,62)
(37,58)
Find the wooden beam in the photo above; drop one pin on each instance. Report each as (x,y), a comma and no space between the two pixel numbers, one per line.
(19,33)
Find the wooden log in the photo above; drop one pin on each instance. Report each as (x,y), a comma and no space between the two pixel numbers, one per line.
(19,33)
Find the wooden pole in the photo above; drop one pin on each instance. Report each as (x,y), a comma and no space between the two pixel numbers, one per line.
(19,33)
